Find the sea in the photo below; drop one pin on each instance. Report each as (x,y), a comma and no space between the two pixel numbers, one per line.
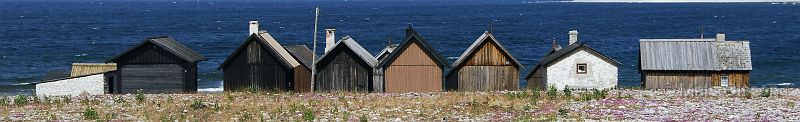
(41,37)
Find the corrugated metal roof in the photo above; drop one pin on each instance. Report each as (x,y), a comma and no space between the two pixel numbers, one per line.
(561,53)
(693,54)
(351,44)
(80,69)
(301,53)
(170,45)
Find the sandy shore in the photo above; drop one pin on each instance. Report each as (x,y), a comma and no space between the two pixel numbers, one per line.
(629,105)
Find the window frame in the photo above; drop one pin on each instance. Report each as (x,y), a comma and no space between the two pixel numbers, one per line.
(578,68)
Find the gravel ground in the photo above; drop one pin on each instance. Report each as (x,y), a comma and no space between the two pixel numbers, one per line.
(618,105)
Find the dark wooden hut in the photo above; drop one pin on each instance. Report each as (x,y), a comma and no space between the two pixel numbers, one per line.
(485,66)
(413,66)
(347,67)
(694,63)
(157,65)
(261,63)
(302,74)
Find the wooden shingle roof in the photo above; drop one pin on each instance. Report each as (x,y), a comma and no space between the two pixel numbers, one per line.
(694,54)
(170,45)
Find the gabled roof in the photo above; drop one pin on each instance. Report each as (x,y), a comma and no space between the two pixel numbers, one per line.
(562,53)
(694,55)
(474,47)
(351,44)
(386,51)
(414,36)
(170,45)
(301,53)
(270,44)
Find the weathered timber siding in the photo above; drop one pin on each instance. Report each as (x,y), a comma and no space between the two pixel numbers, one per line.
(154,70)
(413,71)
(302,79)
(152,78)
(487,69)
(488,78)
(257,68)
(343,71)
(537,81)
(738,79)
(677,79)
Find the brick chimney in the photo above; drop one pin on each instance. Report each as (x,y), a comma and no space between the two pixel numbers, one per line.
(720,37)
(253,27)
(573,36)
(330,38)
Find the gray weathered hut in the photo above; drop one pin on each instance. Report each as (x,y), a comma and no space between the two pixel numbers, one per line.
(386,51)
(261,63)
(157,65)
(347,67)
(413,66)
(485,66)
(694,63)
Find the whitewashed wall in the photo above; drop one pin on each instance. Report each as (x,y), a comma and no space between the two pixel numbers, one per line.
(92,85)
(601,74)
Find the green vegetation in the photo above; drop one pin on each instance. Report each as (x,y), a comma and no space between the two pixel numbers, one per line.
(140,96)
(90,114)
(197,105)
(766,93)
(552,92)
(3,101)
(567,93)
(21,100)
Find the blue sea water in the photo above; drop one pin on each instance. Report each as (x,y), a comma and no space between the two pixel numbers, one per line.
(41,36)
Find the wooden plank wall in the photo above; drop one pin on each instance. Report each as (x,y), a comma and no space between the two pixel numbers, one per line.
(343,71)
(152,78)
(302,79)
(677,80)
(256,66)
(413,71)
(488,69)
(235,74)
(738,79)
(536,81)
(155,70)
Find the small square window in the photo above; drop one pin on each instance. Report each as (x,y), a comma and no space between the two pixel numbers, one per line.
(582,69)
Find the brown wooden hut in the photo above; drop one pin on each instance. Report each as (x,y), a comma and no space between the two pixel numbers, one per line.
(485,66)
(347,67)
(261,63)
(414,66)
(303,77)
(157,65)
(694,63)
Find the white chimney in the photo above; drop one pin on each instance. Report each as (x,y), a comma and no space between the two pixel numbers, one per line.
(330,38)
(720,37)
(573,36)
(253,27)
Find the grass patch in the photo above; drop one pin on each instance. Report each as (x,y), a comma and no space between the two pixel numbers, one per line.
(140,96)
(90,114)
(21,100)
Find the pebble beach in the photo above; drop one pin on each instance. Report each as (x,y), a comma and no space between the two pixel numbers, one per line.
(755,104)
